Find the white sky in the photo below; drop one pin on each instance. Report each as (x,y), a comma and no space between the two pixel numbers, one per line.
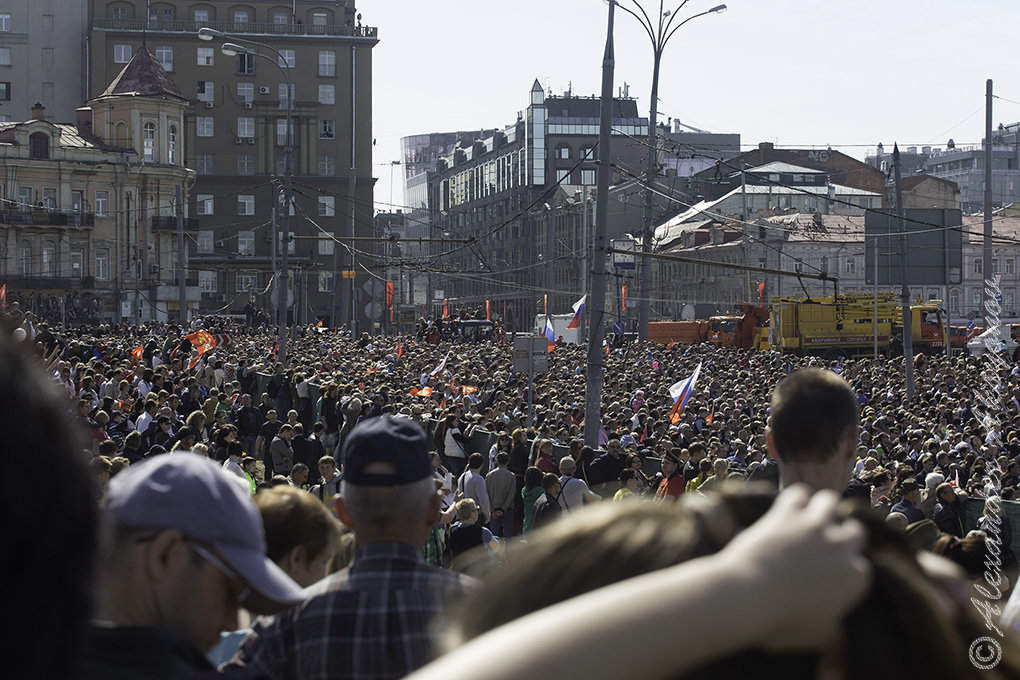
(794,72)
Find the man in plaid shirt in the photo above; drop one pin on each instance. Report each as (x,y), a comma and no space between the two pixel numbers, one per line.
(370,621)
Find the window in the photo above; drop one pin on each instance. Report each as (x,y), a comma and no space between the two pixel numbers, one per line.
(282,94)
(588,177)
(327,94)
(246,64)
(327,206)
(165,57)
(207,281)
(246,92)
(281,131)
(326,129)
(245,127)
(204,203)
(326,246)
(5,22)
(240,16)
(205,242)
(976,300)
(977,266)
(205,56)
(245,164)
(5,91)
(25,258)
(39,146)
(245,282)
(204,163)
(49,198)
(319,18)
(563,176)
(327,166)
(995,266)
(206,91)
(204,126)
(171,146)
(327,63)
(102,203)
(49,259)
(121,54)
(201,16)
(149,141)
(850,266)
(245,204)
(563,153)
(287,59)
(246,242)
(102,266)
(954,301)
(281,18)
(77,263)
(1010,265)
(325,282)
(5,56)
(120,12)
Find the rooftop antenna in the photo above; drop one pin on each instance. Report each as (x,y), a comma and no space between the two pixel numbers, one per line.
(148,15)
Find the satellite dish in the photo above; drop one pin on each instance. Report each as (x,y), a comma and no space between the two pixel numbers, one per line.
(687,314)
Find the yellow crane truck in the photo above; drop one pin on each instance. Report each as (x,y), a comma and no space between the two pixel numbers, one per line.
(844,325)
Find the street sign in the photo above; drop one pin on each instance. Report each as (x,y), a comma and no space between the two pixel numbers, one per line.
(620,327)
(531,354)
(971,325)
(347,274)
(970,316)
(438,294)
(623,260)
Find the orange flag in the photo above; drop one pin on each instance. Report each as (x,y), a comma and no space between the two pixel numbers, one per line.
(425,392)
(319,325)
(446,310)
(137,352)
(488,311)
(3,296)
(623,298)
(414,391)
(469,390)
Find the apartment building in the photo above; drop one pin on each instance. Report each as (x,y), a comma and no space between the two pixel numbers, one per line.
(89,207)
(313,56)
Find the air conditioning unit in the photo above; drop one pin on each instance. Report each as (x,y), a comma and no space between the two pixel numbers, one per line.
(153,268)
(221,297)
(238,140)
(208,105)
(263,89)
(247,105)
(251,140)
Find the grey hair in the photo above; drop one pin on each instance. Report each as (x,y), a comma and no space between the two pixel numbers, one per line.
(388,508)
(567,463)
(933,479)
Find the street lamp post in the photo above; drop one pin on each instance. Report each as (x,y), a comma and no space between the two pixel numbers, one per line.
(659,32)
(231,49)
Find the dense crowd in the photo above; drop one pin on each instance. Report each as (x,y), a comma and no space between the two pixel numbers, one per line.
(514,515)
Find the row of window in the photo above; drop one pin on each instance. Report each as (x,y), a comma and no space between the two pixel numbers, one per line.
(27,198)
(206,92)
(205,164)
(245,282)
(238,16)
(206,56)
(977,266)
(47,264)
(206,205)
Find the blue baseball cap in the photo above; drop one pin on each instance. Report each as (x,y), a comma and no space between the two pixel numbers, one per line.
(397,441)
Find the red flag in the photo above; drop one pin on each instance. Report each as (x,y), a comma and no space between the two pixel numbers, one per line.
(400,349)
(488,311)
(674,413)
(137,352)
(425,392)
(389,294)
(623,298)
(551,347)
(761,293)
(442,404)
(469,390)
(319,325)
(3,296)
(446,310)
(233,399)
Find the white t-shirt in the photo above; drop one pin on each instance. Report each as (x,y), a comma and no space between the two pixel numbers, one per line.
(231,466)
(452,446)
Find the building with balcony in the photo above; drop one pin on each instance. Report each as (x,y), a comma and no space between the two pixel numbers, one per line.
(235,135)
(42,58)
(85,207)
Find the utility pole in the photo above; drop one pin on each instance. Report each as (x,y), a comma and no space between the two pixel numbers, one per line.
(352,179)
(276,272)
(182,291)
(908,342)
(549,245)
(744,227)
(596,327)
(987,267)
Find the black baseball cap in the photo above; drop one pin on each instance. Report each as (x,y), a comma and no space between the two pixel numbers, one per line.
(397,441)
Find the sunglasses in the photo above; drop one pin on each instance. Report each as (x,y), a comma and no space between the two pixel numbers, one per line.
(226,571)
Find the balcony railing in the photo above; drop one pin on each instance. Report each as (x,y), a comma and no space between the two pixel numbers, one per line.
(247,28)
(48,218)
(50,283)
(169,223)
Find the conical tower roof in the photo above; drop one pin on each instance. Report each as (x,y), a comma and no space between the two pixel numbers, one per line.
(143,76)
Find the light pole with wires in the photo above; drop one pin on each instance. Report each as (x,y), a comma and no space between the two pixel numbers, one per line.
(659,31)
(232,49)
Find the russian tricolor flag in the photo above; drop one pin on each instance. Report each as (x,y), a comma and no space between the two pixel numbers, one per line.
(549,332)
(578,311)
(681,393)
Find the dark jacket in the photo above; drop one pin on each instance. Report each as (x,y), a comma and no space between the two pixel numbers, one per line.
(947,519)
(547,509)
(140,653)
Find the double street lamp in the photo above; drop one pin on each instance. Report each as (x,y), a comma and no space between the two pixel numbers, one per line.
(659,30)
(232,49)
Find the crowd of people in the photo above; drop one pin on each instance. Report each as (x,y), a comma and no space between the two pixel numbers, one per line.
(400,482)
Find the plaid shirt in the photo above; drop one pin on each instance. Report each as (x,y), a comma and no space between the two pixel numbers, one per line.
(367,622)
